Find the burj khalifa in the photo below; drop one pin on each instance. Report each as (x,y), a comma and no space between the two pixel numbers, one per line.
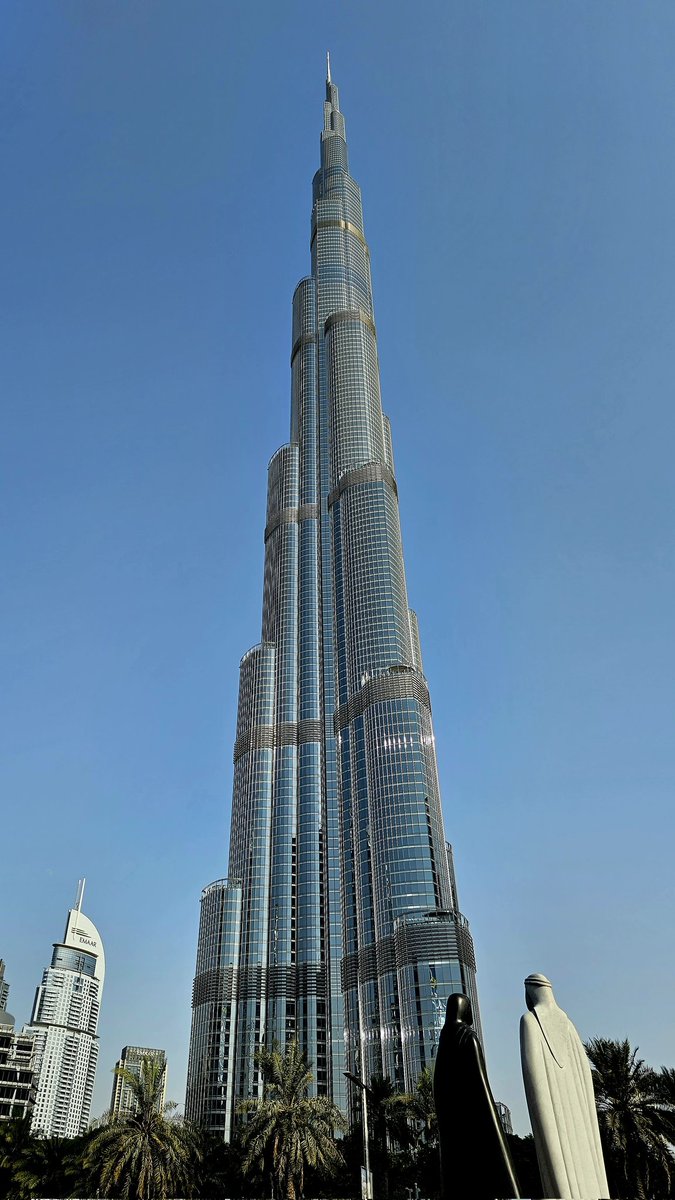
(338,924)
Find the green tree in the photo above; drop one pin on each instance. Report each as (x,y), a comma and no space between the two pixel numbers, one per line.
(15,1139)
(220,1169)
(421,1107)
(426,1163)
(33,1165)
(288,1130)
(390,1130)
(49,1166)
(636,1118)
(389,1114)
(148,1155)
(524,1155)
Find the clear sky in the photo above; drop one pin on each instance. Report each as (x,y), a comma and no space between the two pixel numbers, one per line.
(517,165)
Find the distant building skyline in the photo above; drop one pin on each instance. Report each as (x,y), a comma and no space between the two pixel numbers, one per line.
(17,1062)
(504,1114)
(4,987)
(64,1025)
(122,1101)
(338,924)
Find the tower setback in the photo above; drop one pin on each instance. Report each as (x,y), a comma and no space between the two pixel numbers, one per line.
(338,924)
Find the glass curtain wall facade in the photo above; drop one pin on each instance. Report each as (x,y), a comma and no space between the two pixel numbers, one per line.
(338,924)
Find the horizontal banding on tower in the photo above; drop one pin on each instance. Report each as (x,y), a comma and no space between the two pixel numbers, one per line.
(329,223)
(369,473)
(291,516)
(349,314)
(406,684)
(266,737)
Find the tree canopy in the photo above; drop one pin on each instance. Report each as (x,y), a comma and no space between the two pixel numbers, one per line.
(287,1130)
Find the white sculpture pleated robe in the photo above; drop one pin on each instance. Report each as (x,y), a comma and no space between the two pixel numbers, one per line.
(560,1099)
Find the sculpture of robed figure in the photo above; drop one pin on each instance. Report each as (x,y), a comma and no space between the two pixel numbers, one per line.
(475,1157)
(560,1099)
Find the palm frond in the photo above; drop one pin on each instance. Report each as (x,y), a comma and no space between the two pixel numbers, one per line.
(286,1129)
(636,1115)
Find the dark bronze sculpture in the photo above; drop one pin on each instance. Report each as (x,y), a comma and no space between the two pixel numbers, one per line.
(475,1157)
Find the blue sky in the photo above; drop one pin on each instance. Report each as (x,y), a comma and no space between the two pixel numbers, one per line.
(516,160)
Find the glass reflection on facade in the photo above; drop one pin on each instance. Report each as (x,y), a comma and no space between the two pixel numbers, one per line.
(338,925)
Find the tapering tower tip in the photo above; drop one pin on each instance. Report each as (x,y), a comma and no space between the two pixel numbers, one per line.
(333,121)
(80,894)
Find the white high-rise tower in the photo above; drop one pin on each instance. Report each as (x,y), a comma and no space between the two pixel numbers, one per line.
(64,1024)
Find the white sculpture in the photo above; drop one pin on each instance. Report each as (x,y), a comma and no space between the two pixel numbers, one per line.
(560,1099)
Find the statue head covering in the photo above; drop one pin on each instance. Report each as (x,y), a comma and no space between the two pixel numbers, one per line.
(459,1008)
(538,981)
(551,1020)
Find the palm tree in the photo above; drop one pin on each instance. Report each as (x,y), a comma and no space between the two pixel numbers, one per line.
(288,1130)
(147,1154)
(422,1133)
(389,1122)
(390,1112)
(220,1173)
(421,1107)
(665,1088)
(47,1166)
(15,1141)
(636,1120)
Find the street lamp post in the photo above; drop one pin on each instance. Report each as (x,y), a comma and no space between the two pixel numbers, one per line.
(367,1192)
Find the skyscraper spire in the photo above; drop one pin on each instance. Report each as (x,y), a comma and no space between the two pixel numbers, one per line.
(338,924)
(328,78)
